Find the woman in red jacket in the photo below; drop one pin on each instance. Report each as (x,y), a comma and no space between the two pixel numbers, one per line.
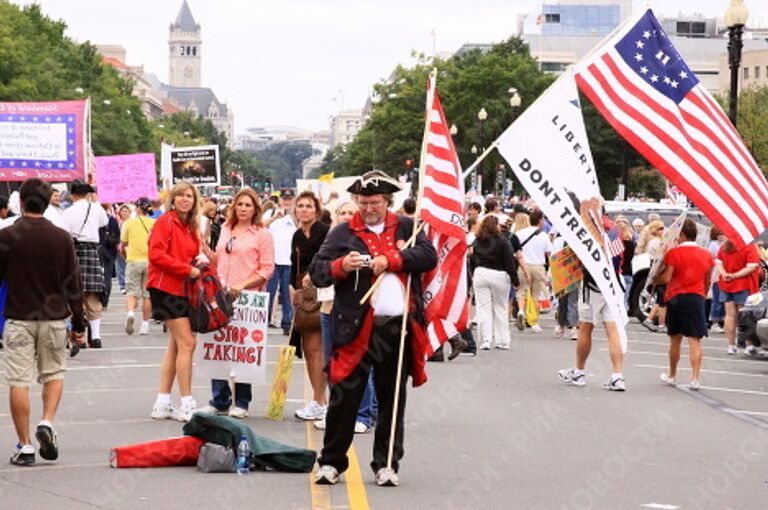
(173,245)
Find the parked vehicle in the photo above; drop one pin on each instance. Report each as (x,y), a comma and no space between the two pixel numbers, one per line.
(640,299)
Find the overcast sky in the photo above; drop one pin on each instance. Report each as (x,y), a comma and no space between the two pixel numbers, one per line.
(283,62)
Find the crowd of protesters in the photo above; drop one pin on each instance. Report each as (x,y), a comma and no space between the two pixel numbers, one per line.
(316,260)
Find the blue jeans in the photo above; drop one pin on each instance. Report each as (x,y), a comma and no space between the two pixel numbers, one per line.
(627,288)
(281,278)
(120,269)
(325,327)
(717,311)
(369,406)
(222,397)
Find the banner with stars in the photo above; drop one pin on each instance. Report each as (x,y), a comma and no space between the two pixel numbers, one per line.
(645,90)
(44,140)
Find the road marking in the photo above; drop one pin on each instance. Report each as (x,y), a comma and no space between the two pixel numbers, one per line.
(720,372)
(358,499)
(38,467)
(720,406)
(735,390)
(660,506)
(710,359)
(319,494)
(65,424)
(750,413)
(666,344)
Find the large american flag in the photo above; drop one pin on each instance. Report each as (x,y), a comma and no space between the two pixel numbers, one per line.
(642,86)
(442,209)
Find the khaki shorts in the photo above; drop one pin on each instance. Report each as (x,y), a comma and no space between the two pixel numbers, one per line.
(136,279)
(92,305)
(538,281)
(30,341)
(594,310)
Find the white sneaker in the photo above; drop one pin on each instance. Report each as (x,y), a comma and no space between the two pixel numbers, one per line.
(326,475)
(186,411)
(694,385)
(386,477)
(312,412)
(536,328)
(569,376)
(667,379)
(750,350)
(361,428)
(238,412)
(320,424)
(615,384)
(129,320)
(503,347)
(144,328)
(715,328)
(164,412)
(212,410)
(559,331)
(574,333)
(485,345)
(732,349)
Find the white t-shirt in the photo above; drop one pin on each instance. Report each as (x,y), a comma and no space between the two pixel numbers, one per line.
(536,249)
(389,298)
(85,230)
(282,230)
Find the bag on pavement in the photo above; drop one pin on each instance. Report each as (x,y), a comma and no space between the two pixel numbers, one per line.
(177,451)
(266,454)
(215,458)
(531,315)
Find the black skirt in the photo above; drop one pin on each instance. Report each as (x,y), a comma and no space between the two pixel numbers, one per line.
(167,306)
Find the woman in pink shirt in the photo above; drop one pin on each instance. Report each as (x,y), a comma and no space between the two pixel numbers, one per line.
(245,260)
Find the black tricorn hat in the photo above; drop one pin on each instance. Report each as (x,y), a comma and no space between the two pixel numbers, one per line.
(374,182)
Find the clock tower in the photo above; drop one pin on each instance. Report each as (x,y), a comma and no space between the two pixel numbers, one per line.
(184,55)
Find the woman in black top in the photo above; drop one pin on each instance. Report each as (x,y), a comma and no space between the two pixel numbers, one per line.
(494,273)
(305,244)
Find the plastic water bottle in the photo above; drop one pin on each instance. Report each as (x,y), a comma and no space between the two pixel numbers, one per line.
(243,462)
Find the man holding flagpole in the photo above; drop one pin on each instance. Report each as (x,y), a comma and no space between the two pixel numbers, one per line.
(368,336)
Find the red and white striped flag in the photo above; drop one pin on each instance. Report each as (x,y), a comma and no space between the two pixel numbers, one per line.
(641,85)
(442,209)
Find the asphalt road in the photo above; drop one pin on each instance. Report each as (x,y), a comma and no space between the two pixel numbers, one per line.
(496,431)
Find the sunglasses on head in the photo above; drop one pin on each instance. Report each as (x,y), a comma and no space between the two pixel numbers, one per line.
(230,244)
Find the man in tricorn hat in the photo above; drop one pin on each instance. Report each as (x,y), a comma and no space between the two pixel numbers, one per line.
(368,337)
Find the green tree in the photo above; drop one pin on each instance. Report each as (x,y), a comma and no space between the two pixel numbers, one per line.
(283,162)
(38,63)
(752,122)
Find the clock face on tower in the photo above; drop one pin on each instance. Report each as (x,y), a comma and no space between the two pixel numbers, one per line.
(188,72)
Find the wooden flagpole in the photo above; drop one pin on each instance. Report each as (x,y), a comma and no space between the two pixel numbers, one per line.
(411,241)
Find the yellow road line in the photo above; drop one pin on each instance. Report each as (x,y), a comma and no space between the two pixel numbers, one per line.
(358,498)
(321,494)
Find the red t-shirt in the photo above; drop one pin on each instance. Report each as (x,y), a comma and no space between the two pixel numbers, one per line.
(691,264)
(736,261)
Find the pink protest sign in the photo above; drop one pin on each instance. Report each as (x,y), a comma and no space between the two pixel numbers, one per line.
(43,140)
(125,178)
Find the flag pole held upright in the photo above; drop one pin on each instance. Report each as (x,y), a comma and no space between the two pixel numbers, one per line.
(411,241)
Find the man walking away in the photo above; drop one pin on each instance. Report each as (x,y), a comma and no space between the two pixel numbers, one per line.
(84,219)
(135,237)
(37,260)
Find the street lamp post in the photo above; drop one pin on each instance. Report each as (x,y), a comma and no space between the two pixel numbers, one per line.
(482,116)
(735,18)
(514,101)
(473,150)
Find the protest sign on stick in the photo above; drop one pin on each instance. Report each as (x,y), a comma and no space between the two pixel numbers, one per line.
(283,370)
(44,140)
(126,178)
(566,271)
(196,165)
